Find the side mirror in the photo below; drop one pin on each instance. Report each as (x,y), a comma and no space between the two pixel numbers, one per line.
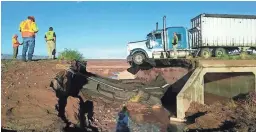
(153,35)
(149,45)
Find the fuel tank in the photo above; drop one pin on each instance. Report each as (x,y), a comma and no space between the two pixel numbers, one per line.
(180,54)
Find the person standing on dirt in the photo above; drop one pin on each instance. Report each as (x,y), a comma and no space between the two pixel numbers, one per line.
(175,44)
(50,39)
(28,29)
(15,45)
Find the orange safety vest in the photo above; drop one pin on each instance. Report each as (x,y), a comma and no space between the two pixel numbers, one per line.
(15,42)
(26,29)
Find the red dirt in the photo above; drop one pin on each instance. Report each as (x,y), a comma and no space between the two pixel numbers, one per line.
(105,68)
(171,74)
(27,100)
(238,115)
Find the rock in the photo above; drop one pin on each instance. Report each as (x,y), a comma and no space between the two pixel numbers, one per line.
(62,66)
(157,106)
(208,122)
(72,109)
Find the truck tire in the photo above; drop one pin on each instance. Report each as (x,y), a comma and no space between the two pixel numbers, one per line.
(220,52)
(138,58)
(205,53)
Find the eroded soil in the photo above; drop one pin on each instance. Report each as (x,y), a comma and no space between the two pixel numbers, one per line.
(238,114)
(27,100)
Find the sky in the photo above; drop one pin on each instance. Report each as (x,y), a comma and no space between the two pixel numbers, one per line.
(101,30)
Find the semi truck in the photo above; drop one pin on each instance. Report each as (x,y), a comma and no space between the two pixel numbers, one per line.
(210,35)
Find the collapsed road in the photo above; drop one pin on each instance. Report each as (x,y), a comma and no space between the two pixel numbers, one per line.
(77,82)
(110,89)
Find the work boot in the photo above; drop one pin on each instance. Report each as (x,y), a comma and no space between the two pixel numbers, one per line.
(24,60)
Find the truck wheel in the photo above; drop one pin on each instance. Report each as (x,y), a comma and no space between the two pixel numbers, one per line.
(138,58)
(206,53)
(220,52)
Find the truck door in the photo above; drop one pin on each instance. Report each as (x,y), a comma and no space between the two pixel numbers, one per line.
(158,39)
(182,36)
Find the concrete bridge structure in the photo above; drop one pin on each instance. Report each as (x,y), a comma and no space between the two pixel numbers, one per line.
(193,90)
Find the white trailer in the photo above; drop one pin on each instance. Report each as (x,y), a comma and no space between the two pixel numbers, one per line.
(221,33)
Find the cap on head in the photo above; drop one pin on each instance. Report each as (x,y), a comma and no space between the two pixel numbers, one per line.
(50,28)
(32,18)
(15,36)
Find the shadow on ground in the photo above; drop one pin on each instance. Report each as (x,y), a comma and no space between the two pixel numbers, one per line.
(169,99)
(6,130)
(70,84)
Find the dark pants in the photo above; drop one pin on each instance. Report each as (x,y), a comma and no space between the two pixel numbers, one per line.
(28,45)
(15,52)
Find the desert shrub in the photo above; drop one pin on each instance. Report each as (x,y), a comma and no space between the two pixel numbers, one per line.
(69,54)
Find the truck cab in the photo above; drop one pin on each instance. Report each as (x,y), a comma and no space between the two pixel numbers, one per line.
(156,39)
(158,45)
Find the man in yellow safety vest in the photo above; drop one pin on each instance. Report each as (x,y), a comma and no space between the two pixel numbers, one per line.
(50,38)
(28,29)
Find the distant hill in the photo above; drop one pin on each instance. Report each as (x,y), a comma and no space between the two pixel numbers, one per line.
(9,56)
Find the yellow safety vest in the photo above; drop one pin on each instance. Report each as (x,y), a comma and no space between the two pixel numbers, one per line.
(15,42)
(28,28)
(49,35)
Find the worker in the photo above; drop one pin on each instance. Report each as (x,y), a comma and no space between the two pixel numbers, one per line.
(175,44)
(15,44)
(50,39)
(28,29)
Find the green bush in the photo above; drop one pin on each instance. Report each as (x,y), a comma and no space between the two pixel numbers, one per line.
(69,54)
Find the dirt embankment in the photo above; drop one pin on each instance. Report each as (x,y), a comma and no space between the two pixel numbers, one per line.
(27,100)
(238,114)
